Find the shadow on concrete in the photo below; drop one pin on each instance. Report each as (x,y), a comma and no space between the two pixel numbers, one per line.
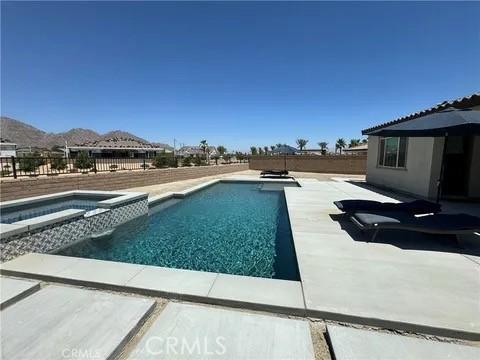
(410,240)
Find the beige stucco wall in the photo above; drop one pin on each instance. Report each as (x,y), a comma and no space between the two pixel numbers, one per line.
(418,178)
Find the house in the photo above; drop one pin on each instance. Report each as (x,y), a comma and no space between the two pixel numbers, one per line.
(361,149)
(119,148)
(7,148)
(413,164)
(196,150)
(285,150)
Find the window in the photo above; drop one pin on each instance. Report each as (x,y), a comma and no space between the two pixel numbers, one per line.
(392,152)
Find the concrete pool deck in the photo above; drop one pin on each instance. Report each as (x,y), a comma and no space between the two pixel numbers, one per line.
(343,278)
(380,284)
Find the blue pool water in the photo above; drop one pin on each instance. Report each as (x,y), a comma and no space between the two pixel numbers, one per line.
(233,228)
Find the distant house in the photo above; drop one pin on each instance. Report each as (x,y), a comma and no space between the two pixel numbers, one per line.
(356,150)
(285,150)
(119,148)
(195,150)
(413,164)
(7,148)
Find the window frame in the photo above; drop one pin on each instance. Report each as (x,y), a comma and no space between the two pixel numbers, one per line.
(384,138)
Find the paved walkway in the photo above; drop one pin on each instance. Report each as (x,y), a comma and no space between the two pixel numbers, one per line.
(404,280)
(64,322)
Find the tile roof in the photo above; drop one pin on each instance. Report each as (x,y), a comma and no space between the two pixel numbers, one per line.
(357,148)
(460,103)
(119,143)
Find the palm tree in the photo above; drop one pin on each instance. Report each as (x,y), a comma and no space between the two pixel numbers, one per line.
(279,145)
(301,143)
(272,147)
(221,149)
(323,147)
(260,150)
(205,148)
(364,141)
(253,150)
(340,144)
(265,148)
(354,142)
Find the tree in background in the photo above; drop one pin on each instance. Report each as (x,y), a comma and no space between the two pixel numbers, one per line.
(253,150)
(272,147)
(340,144)
(221,150)
(354,142)
(323,147)
(227,158)
(260,151)
(301,143)
(205,148)
(364,141)
(83,161)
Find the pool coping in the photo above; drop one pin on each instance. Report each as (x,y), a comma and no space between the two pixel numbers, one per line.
(271,295)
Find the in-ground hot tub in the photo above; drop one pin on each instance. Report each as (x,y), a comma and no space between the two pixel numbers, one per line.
(47,223)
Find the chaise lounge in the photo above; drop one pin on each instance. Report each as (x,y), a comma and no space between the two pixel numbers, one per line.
(280,173)
(455,224)
(412,207)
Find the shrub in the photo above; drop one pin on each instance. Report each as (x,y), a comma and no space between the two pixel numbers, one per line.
(160,161)
(29,164)
(197,161)
(83,161)
(187,161)
(58,164)
(5,171)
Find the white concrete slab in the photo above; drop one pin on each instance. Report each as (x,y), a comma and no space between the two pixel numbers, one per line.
(166,281)
(13,290)
(100,272)
(192,332)
(260,292)
(42,265)
(349,343)
(63,322)
(346,278)
(7,230)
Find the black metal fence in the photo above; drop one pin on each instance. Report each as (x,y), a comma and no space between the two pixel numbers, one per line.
(35,166)
(50,166)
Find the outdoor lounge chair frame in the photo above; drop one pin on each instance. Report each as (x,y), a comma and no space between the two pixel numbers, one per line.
(408,227)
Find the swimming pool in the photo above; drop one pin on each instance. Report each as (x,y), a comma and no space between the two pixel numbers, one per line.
(232,228)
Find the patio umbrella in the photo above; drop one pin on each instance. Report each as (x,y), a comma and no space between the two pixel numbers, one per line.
(449,122)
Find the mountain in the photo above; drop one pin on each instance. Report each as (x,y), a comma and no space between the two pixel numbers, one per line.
(25,135)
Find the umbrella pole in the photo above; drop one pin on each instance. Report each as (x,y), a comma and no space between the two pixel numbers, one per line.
(442,169)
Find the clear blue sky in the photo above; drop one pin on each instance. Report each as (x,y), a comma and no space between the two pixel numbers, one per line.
(237,74)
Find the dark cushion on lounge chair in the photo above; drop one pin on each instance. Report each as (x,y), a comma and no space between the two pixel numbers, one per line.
(437,224)
(274,172)
(414,207)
